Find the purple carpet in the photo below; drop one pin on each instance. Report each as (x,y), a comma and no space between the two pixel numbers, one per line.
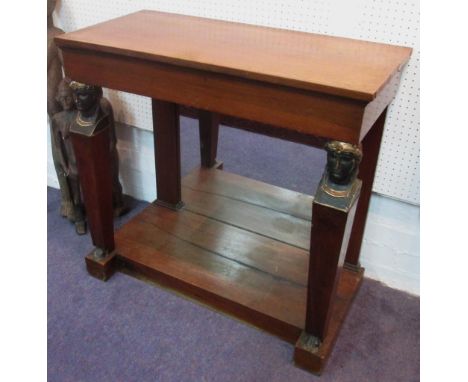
(128,330)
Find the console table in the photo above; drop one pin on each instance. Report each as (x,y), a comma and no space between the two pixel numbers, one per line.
(285,262)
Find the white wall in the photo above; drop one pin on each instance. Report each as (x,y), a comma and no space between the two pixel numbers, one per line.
(390,251)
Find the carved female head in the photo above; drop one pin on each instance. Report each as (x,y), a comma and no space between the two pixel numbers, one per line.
(342,161)
(50,7)
(86,97)
(64,95)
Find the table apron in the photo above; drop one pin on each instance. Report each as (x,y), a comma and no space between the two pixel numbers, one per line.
(302,111)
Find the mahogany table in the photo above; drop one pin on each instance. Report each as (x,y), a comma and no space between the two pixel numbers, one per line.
(285,262)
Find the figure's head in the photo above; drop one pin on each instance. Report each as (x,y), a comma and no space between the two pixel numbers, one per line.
(65,95)
(342,161)
(85,96)
(50,7)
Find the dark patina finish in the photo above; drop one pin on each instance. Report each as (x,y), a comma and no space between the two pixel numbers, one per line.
(54,62)
(72,203)
(342,161)
(54,76)
(94,113)
(63,108)
(339,185)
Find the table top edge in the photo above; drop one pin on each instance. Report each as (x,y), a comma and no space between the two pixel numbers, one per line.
(68,41)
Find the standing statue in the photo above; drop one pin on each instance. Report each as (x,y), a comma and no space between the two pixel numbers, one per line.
(93,109)
(72,208)
(54,76)
(63,108)
(82,106)
(54,62)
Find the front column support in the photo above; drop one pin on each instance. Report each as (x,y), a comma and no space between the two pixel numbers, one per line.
(91,138)
(333,211)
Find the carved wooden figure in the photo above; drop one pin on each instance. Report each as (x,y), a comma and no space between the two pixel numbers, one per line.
(54,76)
(54,62)
(72,207)
(61,110)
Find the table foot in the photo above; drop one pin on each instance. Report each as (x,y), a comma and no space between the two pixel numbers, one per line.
(353,267)
(311,354)
(307,354)
(101,267)
(176,207)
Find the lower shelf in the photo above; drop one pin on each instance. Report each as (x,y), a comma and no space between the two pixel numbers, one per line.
(238,245)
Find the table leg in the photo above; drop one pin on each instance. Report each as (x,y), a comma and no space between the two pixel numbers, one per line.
(208,124)
(166,129)
(94,169)
(370,148)
(330,233)
(333,211)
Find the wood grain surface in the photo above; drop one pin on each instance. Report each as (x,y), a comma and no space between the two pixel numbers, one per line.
(333,65)
(304,112)
(238,263)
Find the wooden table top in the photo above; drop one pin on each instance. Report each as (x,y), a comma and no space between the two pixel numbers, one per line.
(333,65)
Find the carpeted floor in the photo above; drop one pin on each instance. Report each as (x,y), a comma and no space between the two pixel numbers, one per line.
(128,330)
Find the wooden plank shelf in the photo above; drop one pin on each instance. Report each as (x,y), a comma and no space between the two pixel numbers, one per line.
(238,245)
